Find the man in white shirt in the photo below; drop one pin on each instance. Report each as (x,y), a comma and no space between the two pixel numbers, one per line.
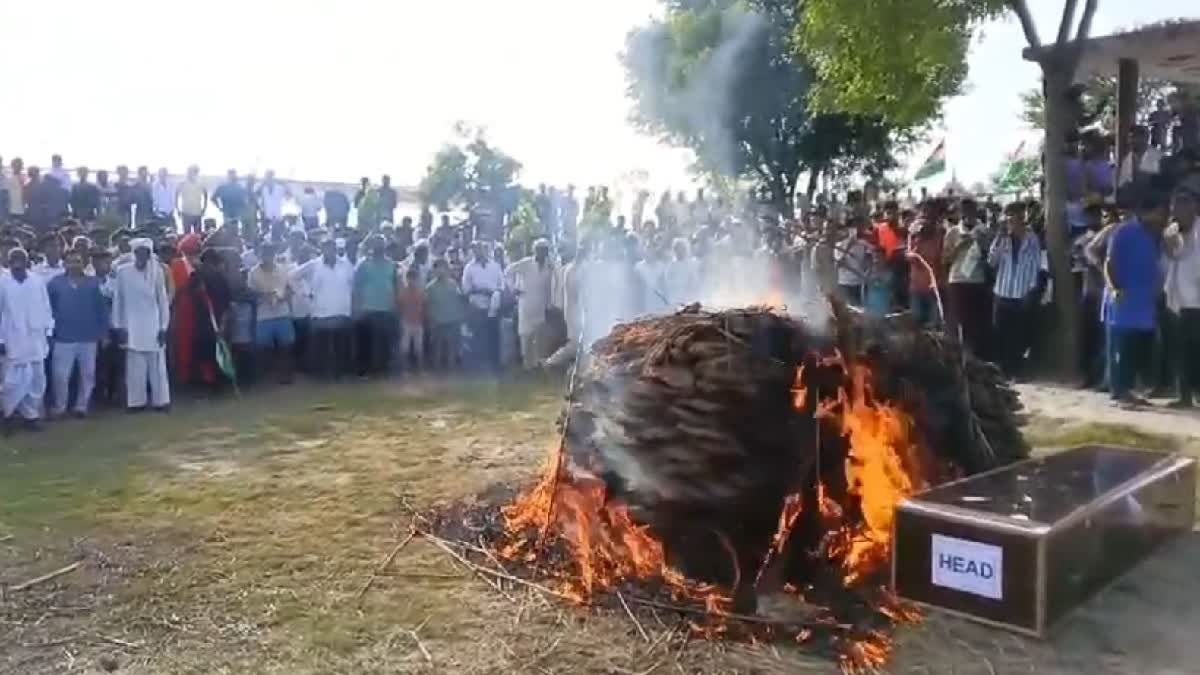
(26,323)
(330,281)
(141,313)
(482,282)
(565,297)
(192,200)
(1181,242)
(272,195)
(531,279)
(681,278)
(59,172)
(51,264)
(652,273)
(965,248)
(162,194)
(1144,160)
(310,208)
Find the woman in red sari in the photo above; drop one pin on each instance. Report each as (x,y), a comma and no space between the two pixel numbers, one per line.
(183,310)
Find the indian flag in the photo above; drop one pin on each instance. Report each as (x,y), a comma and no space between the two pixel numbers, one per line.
(935,164)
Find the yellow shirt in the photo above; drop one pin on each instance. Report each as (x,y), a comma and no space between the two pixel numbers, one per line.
(191,198)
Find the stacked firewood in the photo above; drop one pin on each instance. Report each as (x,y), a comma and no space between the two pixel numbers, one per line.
(703,422)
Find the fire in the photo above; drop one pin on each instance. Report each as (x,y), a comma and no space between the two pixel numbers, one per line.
(885,465)
(589,543)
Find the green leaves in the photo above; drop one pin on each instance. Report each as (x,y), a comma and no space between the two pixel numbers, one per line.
(723,78)
(895,58)
(470,171)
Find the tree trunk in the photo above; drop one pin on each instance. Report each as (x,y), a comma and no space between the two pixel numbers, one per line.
(1058,237)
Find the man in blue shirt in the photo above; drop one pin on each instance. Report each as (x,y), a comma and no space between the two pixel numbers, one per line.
(231,197)
(80,323)
(1133,283)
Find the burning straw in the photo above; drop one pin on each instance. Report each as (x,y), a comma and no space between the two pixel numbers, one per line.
(718,462)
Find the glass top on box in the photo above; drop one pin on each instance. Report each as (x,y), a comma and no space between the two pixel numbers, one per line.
(1046,489)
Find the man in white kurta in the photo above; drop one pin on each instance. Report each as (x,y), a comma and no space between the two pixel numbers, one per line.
(564,295)
(26,323)
(140,314)
(531,279)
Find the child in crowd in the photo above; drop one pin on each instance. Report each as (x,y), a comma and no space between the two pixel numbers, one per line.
(444,303)
(411,302)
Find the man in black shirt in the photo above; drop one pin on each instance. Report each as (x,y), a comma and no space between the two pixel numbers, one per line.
(337,209)
(47,201)
(387,199)
(85,198)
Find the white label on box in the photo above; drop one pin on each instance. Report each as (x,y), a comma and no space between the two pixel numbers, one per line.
(968,566)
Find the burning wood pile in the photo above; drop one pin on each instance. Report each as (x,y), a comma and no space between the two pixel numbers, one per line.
(722,462)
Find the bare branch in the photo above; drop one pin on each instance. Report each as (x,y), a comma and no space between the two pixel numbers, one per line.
(1085,24)
(1027,25)
(1067,21)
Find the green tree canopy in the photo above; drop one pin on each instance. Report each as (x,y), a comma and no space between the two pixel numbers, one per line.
(469,171)
(895,58)
(720,77)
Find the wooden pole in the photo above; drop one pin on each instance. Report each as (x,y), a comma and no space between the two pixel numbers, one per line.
(1127,88)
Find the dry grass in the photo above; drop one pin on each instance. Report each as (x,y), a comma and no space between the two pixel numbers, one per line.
(236,536)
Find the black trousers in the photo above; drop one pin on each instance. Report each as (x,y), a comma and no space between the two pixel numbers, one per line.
(376,337)
(1187,352)
(1091,341)
(485,340)
(1013,324)
(330,339)
(971,310)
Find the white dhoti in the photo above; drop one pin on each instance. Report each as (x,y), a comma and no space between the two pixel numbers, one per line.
(146,370)
(24,387)
(532,344)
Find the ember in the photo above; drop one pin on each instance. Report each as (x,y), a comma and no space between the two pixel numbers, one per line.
(726,460)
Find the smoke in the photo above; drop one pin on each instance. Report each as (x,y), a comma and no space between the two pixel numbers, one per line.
(691,93)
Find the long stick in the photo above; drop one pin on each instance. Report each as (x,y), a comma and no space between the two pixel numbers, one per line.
(746,618)
(47,577)
(384,565)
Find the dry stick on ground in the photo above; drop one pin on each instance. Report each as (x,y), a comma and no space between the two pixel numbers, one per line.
(5,537)
(384,565)
(477,569)
(485,571)
(420,645)
(746,618)
(47,577)
(119,643)
(632,618)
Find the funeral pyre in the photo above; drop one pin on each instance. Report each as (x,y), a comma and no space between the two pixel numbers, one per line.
(725,463)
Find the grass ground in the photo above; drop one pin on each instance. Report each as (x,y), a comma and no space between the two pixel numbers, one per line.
(236,536)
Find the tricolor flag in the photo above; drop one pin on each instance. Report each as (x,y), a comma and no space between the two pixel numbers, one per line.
(935,164)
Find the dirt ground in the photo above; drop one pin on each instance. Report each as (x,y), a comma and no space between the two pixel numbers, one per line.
(237,537)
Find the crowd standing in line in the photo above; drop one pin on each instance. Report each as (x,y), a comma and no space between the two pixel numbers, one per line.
(114,293)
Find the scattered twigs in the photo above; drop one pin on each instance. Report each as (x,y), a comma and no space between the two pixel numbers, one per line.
(745,618)
(118,642)
(479,570)
(633,618)
(5,538)
(384,565)
(420,645)
(47,577)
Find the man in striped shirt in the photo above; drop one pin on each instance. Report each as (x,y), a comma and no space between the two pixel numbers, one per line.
(1016,256)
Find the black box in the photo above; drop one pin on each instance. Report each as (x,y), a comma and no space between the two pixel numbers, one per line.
(1022,545)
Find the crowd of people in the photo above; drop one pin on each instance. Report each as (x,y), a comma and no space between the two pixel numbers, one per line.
(119,294)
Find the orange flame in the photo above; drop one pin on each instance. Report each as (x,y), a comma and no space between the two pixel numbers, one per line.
(606,547)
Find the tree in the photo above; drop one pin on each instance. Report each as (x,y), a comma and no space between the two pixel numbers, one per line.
(719,77)
(1097,101)
(868,55)
(470,172)
(895,58)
